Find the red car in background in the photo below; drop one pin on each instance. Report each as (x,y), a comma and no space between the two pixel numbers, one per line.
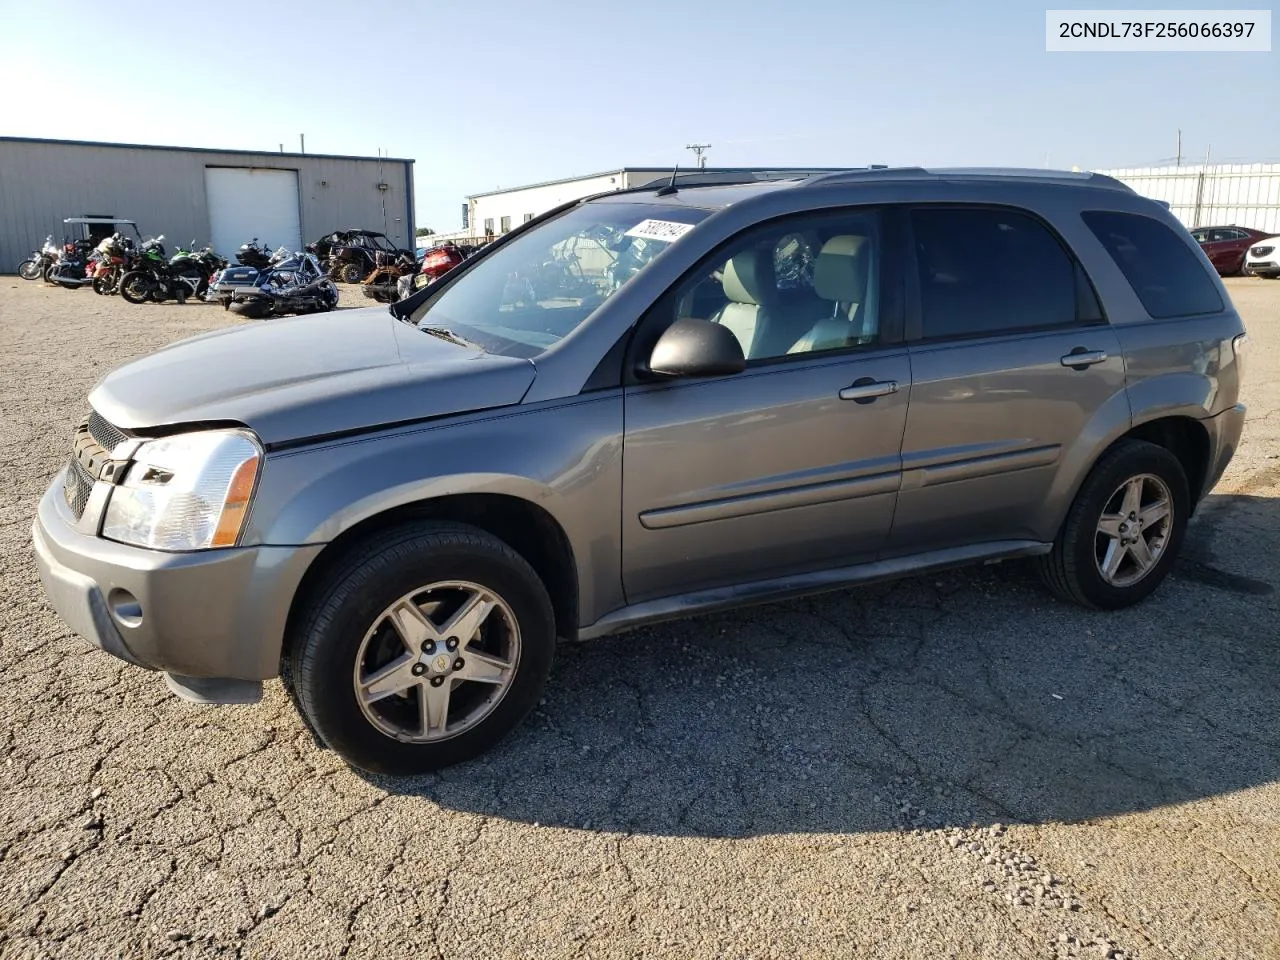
(1226,246)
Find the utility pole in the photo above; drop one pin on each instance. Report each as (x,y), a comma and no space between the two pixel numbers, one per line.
(1177,162)
(302,143)
(698,149)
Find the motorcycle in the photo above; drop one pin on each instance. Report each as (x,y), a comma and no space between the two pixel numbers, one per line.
(291,283)
(38,264)
(116,254)
(383,284)
(157,279)
(253,254)
(74,265)
(203,264)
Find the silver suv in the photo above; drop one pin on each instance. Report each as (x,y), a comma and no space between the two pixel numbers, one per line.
(641,406)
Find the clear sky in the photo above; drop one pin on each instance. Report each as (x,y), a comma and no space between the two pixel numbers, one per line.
(488,93)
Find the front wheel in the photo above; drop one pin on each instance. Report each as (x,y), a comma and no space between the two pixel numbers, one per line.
(1124,530)
(423,647)
(350,273)
(138,287)
(29,270)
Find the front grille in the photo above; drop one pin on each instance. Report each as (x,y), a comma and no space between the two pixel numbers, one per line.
(1261,251)
(104,434)
(76,487)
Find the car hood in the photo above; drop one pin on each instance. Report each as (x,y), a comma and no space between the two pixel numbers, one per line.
(290,379)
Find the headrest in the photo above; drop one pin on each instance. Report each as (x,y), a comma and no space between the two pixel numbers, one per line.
(748,277)
(840,273)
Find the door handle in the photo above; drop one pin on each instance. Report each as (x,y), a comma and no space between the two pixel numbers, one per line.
(1080,358)
(865,389)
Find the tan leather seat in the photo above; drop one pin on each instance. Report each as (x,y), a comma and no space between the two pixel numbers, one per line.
(748,283)
(840,276)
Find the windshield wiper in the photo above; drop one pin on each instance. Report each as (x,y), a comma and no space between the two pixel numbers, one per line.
(446,334)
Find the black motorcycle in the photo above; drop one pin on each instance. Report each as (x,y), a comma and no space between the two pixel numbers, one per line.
(157,279)
(40,261)
(291,283)
(253,254)
(74,266)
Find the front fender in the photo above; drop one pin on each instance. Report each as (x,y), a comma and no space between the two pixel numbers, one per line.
(565,457)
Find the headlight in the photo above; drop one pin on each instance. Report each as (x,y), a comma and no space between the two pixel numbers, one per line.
(186,492)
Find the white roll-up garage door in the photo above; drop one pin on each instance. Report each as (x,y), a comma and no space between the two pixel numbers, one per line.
(248,202)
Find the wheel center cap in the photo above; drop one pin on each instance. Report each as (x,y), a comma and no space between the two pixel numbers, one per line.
(441,663)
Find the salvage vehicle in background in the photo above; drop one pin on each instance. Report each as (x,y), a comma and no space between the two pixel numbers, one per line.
(738,393)
(1263,259)
(435,263)
(360,254)
(383,284)
(293,283)
(1226,246)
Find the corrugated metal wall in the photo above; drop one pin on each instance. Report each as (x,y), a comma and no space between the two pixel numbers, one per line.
(1243,194)
(163,189)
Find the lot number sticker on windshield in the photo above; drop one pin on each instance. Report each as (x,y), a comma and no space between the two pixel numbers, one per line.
(667,230)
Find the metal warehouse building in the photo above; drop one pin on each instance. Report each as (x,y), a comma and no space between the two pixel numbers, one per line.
(221,196)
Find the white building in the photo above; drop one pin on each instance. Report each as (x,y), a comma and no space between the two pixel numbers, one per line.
(1247,195)
(498,211)
(1219,194)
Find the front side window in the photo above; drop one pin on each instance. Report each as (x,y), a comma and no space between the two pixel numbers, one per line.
(536,288)
(987,271)
(809,285)
(1164,272)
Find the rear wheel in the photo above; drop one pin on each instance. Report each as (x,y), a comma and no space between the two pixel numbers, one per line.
(423,648)
(350,273)
(1124,530)
(29,270)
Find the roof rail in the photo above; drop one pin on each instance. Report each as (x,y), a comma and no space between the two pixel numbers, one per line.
(695,178)
(971,173)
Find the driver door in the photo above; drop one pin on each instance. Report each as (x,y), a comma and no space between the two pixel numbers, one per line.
(792,465)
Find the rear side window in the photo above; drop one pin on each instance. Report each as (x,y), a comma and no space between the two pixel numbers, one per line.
(1164,272)
(990,271)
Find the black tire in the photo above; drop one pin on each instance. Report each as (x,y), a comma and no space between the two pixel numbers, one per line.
(346,602)
(29,270)
(1070,569)
(1244,266)
(350,273)
(138,287)
(102,286)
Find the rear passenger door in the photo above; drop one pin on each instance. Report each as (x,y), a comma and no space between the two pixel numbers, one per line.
(1011,359)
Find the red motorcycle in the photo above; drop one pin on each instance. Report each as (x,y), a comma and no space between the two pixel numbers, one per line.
(115,257)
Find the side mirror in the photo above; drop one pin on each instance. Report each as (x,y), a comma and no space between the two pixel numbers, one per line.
(696,348)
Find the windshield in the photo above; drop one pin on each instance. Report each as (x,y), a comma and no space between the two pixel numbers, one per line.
(535,289)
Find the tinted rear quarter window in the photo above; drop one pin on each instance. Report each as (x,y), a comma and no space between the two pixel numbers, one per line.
(990,271)
(1161,267)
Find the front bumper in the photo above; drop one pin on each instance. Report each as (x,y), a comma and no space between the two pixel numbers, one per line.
(205,614)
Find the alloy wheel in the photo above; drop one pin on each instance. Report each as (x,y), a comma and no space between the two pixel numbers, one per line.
(1134,530)
(437,661)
